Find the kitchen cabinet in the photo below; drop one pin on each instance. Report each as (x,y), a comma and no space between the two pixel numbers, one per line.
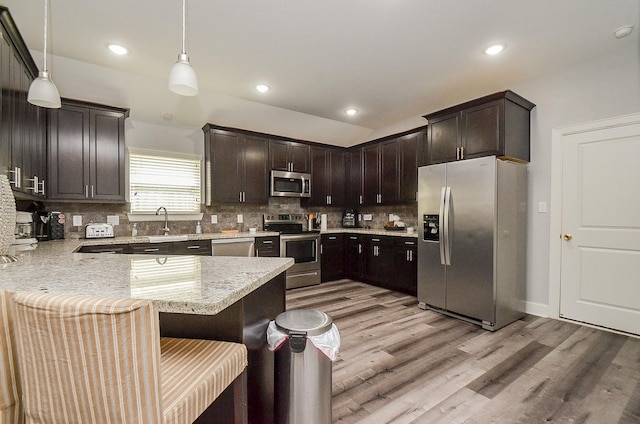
(354,188)
(22,125)
(333,257)
(106,248)
(188,247)
(378,259)
(87,153)
(327,177)
(192,247)
(289,156)
(409,146)
(267,246)
(354,258)
(380,173)
(236,167)
(498,124)
(404,265)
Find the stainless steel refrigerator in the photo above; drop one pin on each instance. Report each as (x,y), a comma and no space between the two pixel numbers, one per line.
(472,241)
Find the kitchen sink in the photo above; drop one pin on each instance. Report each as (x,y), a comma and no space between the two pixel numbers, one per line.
(164,239)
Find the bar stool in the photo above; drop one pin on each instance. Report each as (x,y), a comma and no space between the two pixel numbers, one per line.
(10,407)
(95,360)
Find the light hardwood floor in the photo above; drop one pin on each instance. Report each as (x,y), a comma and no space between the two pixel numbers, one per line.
(400,364)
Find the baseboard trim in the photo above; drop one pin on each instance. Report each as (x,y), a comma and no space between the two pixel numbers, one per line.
(538,309)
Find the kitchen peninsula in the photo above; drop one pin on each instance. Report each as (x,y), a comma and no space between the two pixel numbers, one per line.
(221,298)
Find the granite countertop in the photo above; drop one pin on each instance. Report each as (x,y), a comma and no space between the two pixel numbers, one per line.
(370,231)
(178,284)
(191,237)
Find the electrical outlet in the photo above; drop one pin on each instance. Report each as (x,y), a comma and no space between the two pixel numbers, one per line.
(240,219)
(214,219)
(77,220)
(368,217)
(113,219)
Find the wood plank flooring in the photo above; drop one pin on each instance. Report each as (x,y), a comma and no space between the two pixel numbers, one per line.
(400,364)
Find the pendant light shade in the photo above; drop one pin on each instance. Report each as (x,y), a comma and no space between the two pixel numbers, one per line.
(43,91)
(182,79)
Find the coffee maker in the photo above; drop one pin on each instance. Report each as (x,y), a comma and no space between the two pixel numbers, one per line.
(350,218)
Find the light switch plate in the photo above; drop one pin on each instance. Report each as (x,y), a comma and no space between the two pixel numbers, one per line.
(77,220)
(542,207)
(113,219)
(240,219)
(214,219)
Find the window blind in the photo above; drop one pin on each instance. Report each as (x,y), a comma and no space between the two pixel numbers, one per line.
(171,182)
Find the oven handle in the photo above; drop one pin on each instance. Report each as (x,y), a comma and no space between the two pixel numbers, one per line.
(313,236)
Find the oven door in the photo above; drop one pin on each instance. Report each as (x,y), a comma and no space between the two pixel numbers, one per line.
(305,251)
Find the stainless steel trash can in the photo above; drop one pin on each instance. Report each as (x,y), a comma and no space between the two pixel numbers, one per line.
(303,372)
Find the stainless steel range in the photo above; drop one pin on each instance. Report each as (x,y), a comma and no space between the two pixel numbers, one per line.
(297,243)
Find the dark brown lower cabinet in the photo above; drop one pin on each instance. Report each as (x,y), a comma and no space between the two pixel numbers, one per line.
(354,258)
(378,260)
(405,260)
(189,247)
(332,257)
(267,247)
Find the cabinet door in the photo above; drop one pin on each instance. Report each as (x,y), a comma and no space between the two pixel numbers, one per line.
(319,176)
(354,257)
(268,246)
(106,155)
(354,196)
(371,174)
(68,153)
(299,157)
(225,153)
(378,261)
(336,177)
(332,259)
(279,155)
(443,138)
(255,179)
(481,130)
(408,157)
(17,119)
(6,103)
(389,175)
(405,266)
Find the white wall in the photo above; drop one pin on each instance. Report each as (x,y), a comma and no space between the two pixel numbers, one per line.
(602,88)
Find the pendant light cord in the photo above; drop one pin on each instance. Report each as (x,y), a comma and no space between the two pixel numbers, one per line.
(46,3)
(184,24)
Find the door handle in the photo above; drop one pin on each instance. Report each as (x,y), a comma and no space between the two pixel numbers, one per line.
(567,237)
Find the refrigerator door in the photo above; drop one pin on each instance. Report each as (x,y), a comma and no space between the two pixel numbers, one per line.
(472,219)
(431,268)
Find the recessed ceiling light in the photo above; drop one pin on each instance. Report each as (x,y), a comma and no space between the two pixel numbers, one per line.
(351,111)
(493,50)
(262,88)
(117,49)
(623,31)
(167,116)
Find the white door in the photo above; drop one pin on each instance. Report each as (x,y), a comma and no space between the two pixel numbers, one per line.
(600,264)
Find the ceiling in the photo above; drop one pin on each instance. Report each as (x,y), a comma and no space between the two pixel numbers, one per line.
(392,60)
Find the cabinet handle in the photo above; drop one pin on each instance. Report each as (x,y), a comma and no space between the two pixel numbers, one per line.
(267,242)
(410,243)
(151,249)
(92,191)
(42,189)
(374,239)
(359,248)
(86,190)
(462,152)
(411,255)
(193,247)
(329,199)
(333,237)
(321,246)
(353,238)
(34,187)
(408,255)
(360,199)
(16,177)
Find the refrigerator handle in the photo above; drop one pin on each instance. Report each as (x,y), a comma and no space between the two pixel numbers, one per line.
(447,224)
(441,225)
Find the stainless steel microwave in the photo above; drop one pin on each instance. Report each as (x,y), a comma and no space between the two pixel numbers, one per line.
(290,184)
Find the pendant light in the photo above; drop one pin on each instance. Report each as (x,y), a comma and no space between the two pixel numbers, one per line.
(43,91)
(182,79)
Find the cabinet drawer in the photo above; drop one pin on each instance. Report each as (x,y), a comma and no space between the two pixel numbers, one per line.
(268,246)
(105,248)
(195,247)
(152,248)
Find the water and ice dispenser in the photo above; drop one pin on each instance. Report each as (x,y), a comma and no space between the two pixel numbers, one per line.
(431,225)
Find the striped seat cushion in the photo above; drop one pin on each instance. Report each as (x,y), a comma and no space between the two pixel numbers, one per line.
(10,407)
(195,373)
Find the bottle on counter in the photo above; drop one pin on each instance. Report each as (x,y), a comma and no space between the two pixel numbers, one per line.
(198,228)
(134,230)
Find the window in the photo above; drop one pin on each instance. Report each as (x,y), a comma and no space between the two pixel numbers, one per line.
(157,180)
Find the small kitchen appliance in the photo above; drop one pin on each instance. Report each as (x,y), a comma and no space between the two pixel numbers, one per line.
(24,232)
(350,218)
(93,231)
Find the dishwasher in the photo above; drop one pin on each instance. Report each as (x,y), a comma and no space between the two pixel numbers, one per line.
(240,246)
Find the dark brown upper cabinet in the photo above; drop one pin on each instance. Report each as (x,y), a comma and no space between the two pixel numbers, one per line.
(327,177)
(498,124)
(289,156)
(235,166)
(87,153)
(22,125)
(354,195)
(408,156)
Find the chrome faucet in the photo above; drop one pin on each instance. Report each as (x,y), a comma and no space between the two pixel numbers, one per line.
(166,220)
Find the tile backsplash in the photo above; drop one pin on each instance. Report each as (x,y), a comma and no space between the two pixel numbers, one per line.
(226,215)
